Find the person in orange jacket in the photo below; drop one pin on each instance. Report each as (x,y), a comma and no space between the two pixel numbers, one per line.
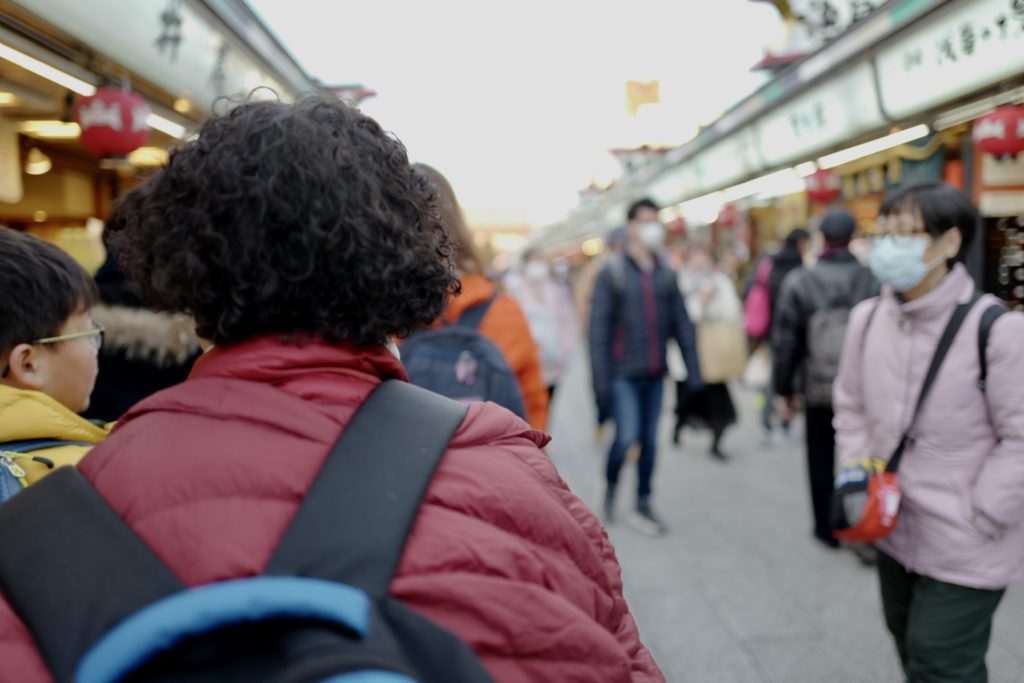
(504,324)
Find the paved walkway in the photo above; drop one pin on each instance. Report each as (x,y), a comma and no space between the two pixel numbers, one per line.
(739,591)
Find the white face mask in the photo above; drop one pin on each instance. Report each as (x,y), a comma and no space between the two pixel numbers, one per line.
(652,236)
(536,271)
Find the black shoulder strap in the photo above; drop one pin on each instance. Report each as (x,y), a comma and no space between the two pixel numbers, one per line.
(352,525)
(472,317)
(72,569)
(945,344)
(988,318)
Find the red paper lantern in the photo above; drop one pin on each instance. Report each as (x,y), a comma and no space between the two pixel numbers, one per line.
(1001,133)
(728,217)
(113,122)
(823,186)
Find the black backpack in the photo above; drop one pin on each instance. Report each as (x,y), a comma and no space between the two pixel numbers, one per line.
(458,362)
(103,608)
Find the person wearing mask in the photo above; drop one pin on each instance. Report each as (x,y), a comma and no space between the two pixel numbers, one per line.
(807,340)
(637,307)
(547,303)
(711,299)
(301,259)
(504,323)
(959,538)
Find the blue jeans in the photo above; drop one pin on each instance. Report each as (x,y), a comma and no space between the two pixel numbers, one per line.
(636,408)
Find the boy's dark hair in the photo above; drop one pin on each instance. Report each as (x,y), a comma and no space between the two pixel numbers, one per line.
(645,203)
(942,207)
(296,219)
(795,237)
(41,286)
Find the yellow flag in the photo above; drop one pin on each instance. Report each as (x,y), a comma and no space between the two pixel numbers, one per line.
(641,92)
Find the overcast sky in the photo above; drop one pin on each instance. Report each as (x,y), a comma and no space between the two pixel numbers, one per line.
(517,103)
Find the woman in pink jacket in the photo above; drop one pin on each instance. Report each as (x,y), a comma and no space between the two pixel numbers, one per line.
(960,538)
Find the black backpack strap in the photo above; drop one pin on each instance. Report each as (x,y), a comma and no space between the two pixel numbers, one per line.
(945,344)
(988,318)
(473,316)
(352,525)
(73,569)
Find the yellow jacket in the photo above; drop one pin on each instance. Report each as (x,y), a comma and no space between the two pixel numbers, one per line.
(28,415)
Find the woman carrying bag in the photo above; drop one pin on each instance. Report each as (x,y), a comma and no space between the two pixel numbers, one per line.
(951,537)
(716,310)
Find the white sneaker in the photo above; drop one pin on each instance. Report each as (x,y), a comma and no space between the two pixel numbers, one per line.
(646,522)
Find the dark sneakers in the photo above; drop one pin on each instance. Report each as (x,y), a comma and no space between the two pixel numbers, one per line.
(645,521)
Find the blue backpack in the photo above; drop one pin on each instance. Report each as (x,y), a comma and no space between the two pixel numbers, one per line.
(103,608)
(12,476)
(458,362)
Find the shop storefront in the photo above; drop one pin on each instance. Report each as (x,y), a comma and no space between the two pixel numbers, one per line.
(88,106)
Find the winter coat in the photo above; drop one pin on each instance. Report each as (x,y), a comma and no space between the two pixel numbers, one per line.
(633,315)
(143,351)
(962,476)
(28,415)
(837,276)
(783,263)
(551,315)
(506,326)
(210,473)
(724,306)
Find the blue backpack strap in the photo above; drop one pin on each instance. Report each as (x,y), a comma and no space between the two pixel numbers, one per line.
(358,538)
(76,546)
(988,318)
(472,317)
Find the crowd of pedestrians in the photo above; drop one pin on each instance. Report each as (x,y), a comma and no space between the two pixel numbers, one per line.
(240,370)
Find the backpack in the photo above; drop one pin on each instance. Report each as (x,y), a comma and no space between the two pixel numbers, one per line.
(458,362)
(102,607)
(12,476)
(826,331)
(757,306)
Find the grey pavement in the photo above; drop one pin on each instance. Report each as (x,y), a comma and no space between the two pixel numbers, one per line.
(739,591)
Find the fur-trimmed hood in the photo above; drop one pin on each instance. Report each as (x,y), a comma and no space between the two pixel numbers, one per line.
(163,339)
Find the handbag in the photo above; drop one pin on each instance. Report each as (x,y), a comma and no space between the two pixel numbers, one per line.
(866,499)
(757,307)
(758,374)
(722,351)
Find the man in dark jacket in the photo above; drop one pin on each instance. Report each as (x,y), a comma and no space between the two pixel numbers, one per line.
(807,336)
(636,308)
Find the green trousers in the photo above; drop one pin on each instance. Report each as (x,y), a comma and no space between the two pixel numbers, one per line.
(941,630)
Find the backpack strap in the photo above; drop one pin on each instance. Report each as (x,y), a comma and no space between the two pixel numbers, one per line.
(473,316)
(988,318)
(29,445)
(352,525)
(76,569)
(945,344)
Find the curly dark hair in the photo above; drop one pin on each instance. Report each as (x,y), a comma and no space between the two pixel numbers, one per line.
(299,219)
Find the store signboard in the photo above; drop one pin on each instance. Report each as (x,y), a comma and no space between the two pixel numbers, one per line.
(969,46)
(726,162)
(11,188)
(839,109)
(167,43)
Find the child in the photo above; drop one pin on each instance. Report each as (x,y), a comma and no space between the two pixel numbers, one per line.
(48,352)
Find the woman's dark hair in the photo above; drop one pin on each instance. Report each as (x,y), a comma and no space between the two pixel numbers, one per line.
(295,219)
(645,203)
(794,238)
(41,286)
(942,207)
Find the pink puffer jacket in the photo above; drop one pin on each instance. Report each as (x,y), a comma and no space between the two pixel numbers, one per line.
(962,516)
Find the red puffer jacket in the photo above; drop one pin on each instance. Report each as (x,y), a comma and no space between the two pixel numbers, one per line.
(211,472)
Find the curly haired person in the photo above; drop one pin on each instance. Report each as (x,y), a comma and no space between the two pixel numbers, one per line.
(301,241)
